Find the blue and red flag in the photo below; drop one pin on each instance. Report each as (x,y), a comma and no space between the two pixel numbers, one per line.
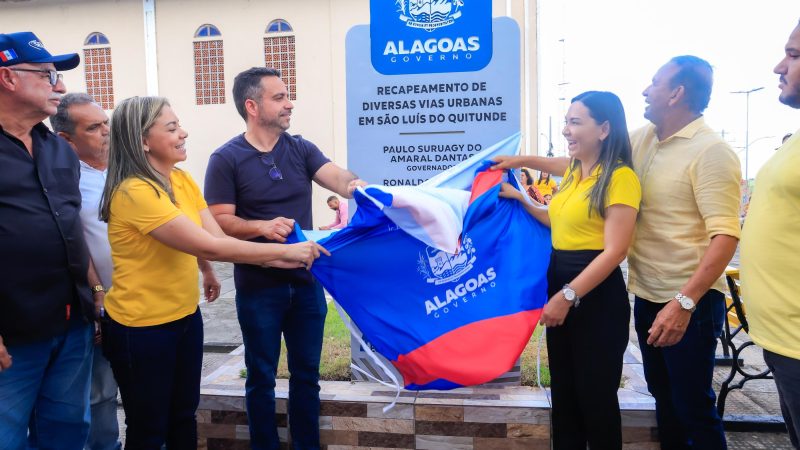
(8,55)
(446,283)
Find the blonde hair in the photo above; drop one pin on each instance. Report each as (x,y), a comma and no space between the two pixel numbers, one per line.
(130,123)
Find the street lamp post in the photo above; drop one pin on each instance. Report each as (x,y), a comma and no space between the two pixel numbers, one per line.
(743,147)
(549,137)
(747,128)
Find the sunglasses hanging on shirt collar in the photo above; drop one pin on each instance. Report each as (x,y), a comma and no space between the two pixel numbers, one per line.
(268,160)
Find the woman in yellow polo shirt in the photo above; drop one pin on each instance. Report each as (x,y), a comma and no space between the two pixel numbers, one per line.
(545,185)
(592,219)
(161,231)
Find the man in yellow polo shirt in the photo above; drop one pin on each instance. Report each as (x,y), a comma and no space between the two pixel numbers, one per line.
(686,233)
(771,254)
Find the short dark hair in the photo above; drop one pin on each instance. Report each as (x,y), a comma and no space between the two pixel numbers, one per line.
(61,121)
(247,85)
(697,77)
(332,197)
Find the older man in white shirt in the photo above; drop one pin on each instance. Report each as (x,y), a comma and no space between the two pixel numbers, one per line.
(84,125)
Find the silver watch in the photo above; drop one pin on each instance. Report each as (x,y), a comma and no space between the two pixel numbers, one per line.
(686,302)
(570,295)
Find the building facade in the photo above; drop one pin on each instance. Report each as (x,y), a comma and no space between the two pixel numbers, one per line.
(190,51)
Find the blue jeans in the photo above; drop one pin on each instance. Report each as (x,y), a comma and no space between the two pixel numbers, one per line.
(787,378)
(104,429)
(679,377)
(298,311)
(52,376)
(158,371)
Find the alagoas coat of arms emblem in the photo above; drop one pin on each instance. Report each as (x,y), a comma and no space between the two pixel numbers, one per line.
(429,14)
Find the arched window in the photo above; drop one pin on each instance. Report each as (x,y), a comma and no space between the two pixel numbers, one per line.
(209,66)
(207,30)
(279,26)
(98,69)
(96,38)
(279,53)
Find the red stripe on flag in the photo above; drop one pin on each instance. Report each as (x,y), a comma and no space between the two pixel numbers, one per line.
(484,181)
(472,354)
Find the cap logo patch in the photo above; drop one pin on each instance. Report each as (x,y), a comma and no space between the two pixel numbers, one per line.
(8,55)
(36,44)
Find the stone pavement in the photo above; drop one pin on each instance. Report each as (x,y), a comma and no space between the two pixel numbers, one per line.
(758,398)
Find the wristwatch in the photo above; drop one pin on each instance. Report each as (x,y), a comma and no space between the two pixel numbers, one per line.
(570,295)
(98,288)
(686,302)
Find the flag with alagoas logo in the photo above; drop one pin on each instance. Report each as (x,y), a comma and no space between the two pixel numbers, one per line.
(446,282)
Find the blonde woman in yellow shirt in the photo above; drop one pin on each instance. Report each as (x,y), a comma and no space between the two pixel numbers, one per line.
(592,219)
(161,231)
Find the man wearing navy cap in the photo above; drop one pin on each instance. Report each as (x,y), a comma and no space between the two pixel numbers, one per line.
(46,302)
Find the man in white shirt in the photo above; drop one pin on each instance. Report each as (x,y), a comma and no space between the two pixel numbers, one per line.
(84,125)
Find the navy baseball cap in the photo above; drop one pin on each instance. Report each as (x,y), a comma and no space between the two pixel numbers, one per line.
(25,47)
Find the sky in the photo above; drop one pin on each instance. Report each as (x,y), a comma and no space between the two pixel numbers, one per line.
(618,45)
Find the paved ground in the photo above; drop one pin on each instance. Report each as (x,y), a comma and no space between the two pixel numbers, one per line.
(758,398)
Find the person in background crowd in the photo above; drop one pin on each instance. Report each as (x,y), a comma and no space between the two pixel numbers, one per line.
(588,314)
(529,187)
(46,304)
(545,185)
(84,125)
(770,254)
(161,231)
(340,208)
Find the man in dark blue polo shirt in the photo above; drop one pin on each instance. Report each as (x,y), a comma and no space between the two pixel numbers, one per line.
(257,185)
(46,307)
